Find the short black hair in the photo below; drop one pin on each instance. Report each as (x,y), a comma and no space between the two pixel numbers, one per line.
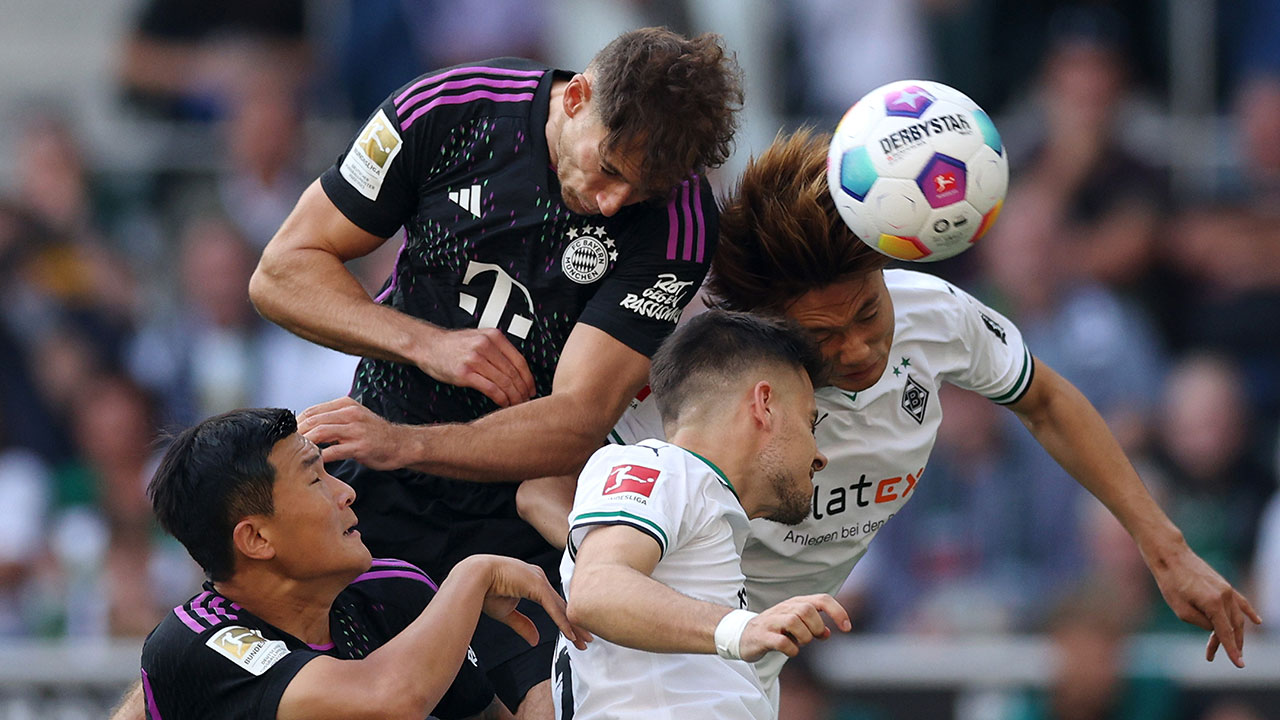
(720,345)
(215,474)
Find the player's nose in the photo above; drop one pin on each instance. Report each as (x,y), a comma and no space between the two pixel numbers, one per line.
(819,461)
(854,350)
(344,494)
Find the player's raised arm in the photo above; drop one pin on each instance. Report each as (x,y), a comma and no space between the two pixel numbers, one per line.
(302,284)
(1073,432)
(406,677)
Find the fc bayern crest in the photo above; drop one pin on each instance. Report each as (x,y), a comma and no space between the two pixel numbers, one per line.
(915,398)
(587,258)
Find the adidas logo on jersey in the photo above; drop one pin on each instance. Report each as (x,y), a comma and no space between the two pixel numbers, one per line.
(468,199)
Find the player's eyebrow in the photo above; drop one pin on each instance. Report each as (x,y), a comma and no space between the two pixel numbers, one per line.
(313,457)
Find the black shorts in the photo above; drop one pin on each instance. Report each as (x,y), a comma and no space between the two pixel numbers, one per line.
(435,523)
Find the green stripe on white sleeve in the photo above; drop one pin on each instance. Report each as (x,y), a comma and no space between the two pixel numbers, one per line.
(1023,382)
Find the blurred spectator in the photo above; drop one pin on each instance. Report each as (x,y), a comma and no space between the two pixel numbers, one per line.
(215,354)
(1114,562)
(1232,709)
(1214,487)
(1097,200)
(1089,679)
(1228,254)
(1266,562)
(382,44)
(1102,343)
(117,575)
(844,49)
(181,59)
(25,486)
(63,270)
(264,137)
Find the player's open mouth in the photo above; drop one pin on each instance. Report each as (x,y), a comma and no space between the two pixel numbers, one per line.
(352,531)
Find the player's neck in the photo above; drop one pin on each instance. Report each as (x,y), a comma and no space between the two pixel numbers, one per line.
(300,608)
(555,120)
(719,446)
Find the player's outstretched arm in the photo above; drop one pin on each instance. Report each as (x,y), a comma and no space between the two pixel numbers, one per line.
(613,595)
(553,435)
(545,503)
(406,677)
(1071,430)
(302,285)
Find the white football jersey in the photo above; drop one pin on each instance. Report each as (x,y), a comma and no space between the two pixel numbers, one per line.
(877,441)
(691,510)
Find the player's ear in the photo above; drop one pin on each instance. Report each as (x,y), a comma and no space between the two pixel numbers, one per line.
(762,400)
(577,94)
(249,539)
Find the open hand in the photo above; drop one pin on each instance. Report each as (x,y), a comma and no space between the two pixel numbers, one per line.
(1197,594)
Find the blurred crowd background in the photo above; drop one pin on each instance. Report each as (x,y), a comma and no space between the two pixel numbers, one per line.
(150,148)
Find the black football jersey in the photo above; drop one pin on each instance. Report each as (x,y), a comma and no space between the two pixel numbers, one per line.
(211,658)
(459,159)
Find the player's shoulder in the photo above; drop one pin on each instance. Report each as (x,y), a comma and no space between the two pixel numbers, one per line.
(914,283)
(501,85)
(204,621)
(686,220)
(925,301)
(392,574)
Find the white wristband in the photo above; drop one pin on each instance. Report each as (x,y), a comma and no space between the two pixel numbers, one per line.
(729,633)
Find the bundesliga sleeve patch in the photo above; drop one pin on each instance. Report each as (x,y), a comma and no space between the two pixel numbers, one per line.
(365,165)
(631,479)
(247,648)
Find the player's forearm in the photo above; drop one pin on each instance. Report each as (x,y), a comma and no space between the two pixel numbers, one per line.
(1067,425)
(631,609)
(310,293)
(551,435)
(545,503)
(408,675)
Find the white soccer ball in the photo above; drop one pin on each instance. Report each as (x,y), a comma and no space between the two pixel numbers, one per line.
(917,170)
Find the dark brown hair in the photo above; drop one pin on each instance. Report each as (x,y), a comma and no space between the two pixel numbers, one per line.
(780,233)
(717,346)
(674,98)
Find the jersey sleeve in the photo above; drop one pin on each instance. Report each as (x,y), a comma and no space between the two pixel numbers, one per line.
(375,181)
(230,671)
(630,485)
(996,363)
(665,252)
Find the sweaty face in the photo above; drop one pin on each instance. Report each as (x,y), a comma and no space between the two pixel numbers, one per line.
(313,528)
(791,457)
(852,322)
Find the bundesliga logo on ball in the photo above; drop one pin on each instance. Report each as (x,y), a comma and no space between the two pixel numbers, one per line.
(917,170)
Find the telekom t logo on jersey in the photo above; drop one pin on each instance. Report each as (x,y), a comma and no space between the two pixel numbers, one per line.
(631,479)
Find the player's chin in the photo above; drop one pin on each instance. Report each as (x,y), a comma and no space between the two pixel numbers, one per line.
(857,379)
(576,205)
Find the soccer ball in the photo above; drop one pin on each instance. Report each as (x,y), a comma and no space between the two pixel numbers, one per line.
(917,170)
